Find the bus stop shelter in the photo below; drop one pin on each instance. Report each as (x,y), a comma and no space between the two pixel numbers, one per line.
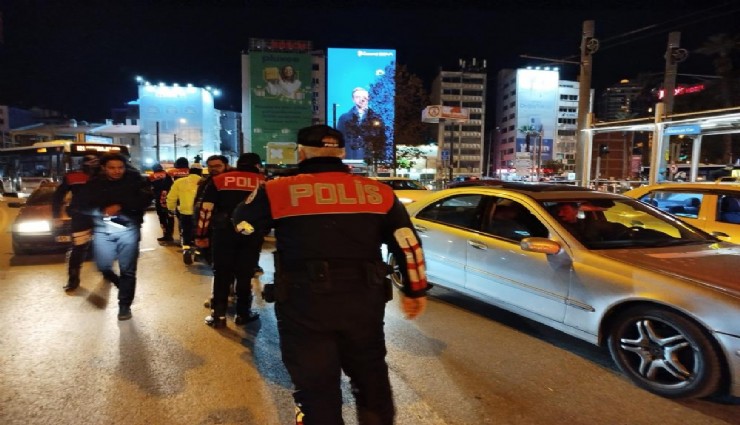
(695,125)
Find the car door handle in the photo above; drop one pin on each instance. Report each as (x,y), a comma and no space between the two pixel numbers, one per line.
(420,229)
(478,245)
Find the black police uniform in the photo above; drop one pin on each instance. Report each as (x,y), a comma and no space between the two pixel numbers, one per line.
(330,284)
(234,256)
(81,224)
(161,183)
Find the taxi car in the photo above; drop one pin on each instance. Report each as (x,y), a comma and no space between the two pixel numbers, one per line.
(407,190)
(34,229)
(712,207)
(662,295)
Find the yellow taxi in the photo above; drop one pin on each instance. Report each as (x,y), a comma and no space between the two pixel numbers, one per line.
(712,207)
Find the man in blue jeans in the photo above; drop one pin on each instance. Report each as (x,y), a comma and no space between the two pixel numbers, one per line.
(117,201)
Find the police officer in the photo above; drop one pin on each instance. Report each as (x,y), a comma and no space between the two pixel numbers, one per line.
(81,223)
(235,256)
(161,182)
(330,284)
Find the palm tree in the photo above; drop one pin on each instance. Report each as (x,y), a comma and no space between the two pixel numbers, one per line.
(721,47)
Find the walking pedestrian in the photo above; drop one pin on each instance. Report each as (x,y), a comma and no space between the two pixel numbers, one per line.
(81,224)
(235,256)
(116,201)
(180,201)
(161,182)
(330,285)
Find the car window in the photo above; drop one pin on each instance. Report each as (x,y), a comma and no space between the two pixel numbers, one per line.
(404,184)
(682,204)
(508,219)
(619,223)
(457,210)
(729,209)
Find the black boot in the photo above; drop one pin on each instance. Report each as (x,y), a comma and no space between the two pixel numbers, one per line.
(74,280)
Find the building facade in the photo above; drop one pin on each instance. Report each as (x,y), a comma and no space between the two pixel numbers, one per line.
(461,145)
(177,121)
(536,121)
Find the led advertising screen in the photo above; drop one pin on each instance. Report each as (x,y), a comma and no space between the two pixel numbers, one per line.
(537,112)
(360,100)
(280,99)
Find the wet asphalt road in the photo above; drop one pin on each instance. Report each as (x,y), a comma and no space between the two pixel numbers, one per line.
(66,359)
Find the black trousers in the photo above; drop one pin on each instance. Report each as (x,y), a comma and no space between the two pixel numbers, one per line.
(81,238)
(325,332)
(235,257)
(166,221)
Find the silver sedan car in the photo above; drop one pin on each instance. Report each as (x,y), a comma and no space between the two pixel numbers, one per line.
(663,296)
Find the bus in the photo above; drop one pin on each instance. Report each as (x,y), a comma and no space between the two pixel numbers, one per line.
(23,169)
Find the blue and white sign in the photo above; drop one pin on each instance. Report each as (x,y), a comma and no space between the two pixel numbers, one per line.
(683,129)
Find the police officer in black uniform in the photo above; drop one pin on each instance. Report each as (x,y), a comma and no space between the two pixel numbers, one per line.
(330,283)
(81,224)
(161,183)
(234,255)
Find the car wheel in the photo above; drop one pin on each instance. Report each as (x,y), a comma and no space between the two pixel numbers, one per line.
(665,353)
(396,276)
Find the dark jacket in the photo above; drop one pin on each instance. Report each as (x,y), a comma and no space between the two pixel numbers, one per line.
(132,192)
(332,216)
(222,195)
(73,182)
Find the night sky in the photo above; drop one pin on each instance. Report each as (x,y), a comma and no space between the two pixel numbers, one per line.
(80,57)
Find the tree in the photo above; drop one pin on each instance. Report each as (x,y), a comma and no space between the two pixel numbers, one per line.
(378,147)
(411,99)
(721,47)
(407,156)
(398,96)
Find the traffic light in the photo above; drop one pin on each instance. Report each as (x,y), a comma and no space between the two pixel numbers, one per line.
(603,149)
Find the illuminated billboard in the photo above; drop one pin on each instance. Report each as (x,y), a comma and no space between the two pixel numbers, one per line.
(537,112)
(281,87)
(360,98)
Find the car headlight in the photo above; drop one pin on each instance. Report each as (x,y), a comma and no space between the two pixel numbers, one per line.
(33,226)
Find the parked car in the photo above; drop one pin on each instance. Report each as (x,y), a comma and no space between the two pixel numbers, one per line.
(712,207)
(34,229)
(662,295)
(407,190)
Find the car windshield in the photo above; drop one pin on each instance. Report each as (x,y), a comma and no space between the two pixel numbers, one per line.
(622,223)
(41,196)
(404,184)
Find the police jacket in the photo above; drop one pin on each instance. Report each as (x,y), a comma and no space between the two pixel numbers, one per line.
(327,214)
(223,194)
(72,182)
(132,192)
(161,183)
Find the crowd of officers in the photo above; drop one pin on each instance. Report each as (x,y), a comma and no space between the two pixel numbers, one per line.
(330,286)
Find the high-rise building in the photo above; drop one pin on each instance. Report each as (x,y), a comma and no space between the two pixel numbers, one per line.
(536,115)
(616,102)
(461,145)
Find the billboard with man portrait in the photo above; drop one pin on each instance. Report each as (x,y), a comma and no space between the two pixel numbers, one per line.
(360,100)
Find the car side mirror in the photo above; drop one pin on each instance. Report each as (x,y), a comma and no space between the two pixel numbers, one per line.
(541,245)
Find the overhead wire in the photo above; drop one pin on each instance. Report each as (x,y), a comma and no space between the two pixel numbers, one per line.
(659,28)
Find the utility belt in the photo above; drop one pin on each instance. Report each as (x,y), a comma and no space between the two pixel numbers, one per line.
(326,277)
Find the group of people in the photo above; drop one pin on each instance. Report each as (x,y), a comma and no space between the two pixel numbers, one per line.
(330,286)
